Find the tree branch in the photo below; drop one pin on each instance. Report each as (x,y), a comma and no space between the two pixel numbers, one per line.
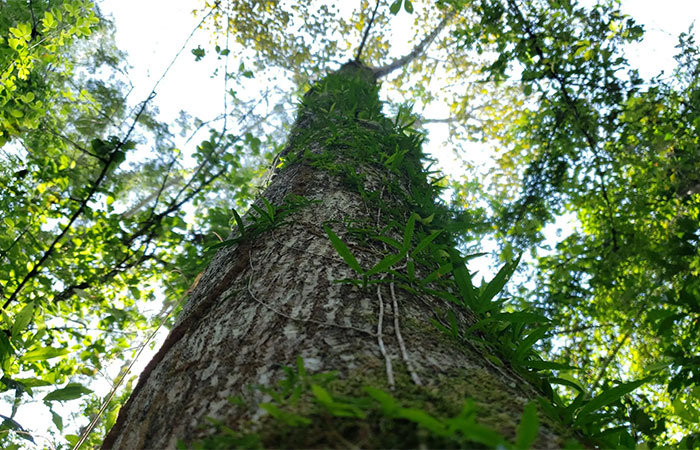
(417,50)
(369,27)
(37,267)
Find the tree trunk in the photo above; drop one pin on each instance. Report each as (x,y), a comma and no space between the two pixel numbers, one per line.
(281,295)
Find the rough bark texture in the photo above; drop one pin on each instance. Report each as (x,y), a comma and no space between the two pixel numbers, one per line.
(274,297)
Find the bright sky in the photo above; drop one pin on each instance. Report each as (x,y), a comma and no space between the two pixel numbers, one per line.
(663,22)
(152,32)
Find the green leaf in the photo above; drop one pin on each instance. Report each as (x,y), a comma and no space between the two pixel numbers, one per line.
(262,213)
(408,6)
(22,319)
(387,240)
(411,269)
(442,270)
(198,53)
(454,327)
(101,147)
(685,412)
(395,7)
(17,385)
(227,243)
(70,392)
(5,348)
(395,159)
(239,222)
(48,20)
(498,282)
(428,220)
(529,341)
(494,359)
(481,434)
(423,419)
(440,327)
(336,408)
(387,402)
(118,157)
(609,396)
(566,382)
(547,365)
(321,394)
(300,368)
(343,250)
(444,295)
(135,291)
(10,423)
(57,420)
(44,353)
(385,264)
(521,317)
(696,392)
(425,242)
(28,98)
(23,31)
(527,429)
(270,209)
(463,279)
(33,382)
(408,232)
(288,418)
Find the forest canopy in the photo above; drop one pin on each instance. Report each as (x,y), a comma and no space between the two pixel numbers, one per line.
(538,119)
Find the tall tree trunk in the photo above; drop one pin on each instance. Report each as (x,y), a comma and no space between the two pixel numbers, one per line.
(280,295)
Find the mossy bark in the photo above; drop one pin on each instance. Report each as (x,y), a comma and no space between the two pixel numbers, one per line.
(274,296)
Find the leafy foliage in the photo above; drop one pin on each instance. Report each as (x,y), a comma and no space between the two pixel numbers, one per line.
(88,223)
(608,149)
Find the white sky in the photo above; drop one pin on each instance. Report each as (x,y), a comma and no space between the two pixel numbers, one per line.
(663,22)
(152,31)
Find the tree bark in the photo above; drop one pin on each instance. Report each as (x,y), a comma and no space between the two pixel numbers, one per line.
(274,296)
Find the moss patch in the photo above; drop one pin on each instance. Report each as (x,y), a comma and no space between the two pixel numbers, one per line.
(468,409)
